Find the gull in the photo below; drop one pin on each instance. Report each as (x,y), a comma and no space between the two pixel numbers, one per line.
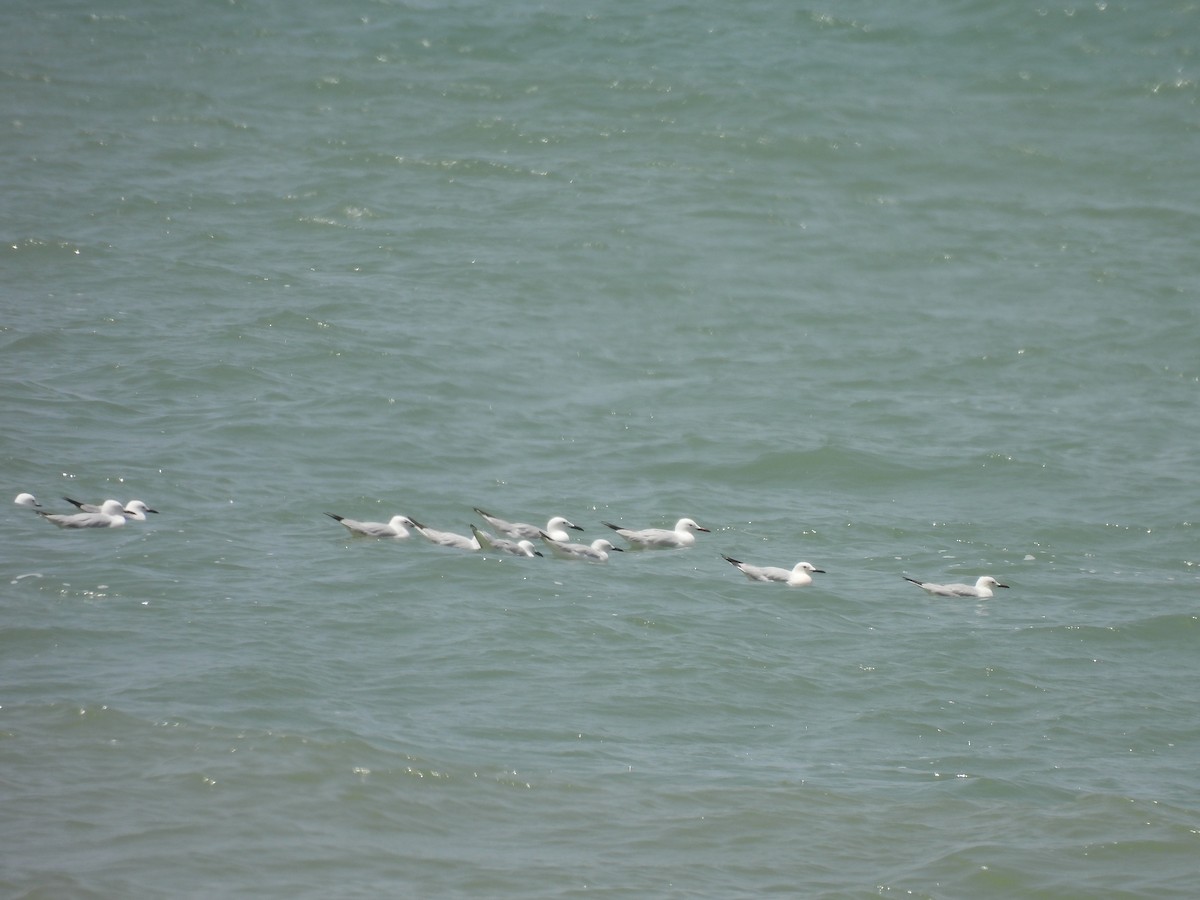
(659,538)
(89,507)
(597,551)
(446,538)
(523,547)
(519,530)
(800,575)
(981,589)
(134,509)
(396,527)
(111,515)
(25,499)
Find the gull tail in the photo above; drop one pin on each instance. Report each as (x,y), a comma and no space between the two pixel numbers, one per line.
(731,560)
(335,517)
(913,580)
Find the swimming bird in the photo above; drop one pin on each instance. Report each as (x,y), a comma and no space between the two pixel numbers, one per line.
(446,538)
(523,547)
(981,589)
(25,499)
(111,515)
(597,551)
(519,530)
(137,509)
(660,538)
(89,507)
(134,509)
(396,527)
(800,575)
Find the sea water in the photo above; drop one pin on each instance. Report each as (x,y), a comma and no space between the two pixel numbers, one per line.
(895,289)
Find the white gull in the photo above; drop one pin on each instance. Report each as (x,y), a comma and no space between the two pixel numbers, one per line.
(137,509)
(523,547)
(134,509)
(597,551)
(89,507)
(446,538)
(26,499)
(800,575)
(520,530)
(981,589)
(682,535)
(111,515)
(396,527)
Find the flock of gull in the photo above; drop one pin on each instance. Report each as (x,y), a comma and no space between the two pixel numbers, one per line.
(109,514)
(519,539)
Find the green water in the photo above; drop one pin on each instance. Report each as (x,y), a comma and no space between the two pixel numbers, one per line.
(901,291)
